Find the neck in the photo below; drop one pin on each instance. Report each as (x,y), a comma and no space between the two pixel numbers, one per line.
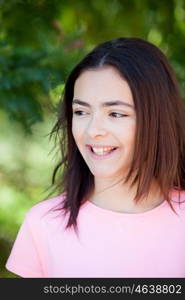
(120,197)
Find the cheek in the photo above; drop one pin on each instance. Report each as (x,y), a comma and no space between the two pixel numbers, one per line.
(77,131)
(126,133)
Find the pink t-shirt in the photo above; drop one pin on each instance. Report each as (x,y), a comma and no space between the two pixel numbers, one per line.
(110,244)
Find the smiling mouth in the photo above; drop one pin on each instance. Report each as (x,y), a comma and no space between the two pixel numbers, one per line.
(100,154)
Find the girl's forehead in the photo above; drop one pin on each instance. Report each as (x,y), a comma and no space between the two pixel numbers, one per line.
(102,104)
(105,73)
(103,86)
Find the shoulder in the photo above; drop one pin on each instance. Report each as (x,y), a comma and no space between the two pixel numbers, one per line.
(46,209)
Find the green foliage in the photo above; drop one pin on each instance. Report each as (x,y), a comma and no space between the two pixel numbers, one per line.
(25,82)
(41,40)
(35,57)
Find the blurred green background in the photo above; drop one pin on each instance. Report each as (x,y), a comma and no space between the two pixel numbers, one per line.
(40,42)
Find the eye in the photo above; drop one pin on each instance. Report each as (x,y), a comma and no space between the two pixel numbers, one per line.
(79,112)
(119,115)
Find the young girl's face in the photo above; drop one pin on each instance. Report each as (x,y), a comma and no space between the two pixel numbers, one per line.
(104,118)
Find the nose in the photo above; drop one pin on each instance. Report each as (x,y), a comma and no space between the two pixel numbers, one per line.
(96,127)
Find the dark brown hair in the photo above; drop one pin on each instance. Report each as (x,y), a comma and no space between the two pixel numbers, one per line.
(160,114)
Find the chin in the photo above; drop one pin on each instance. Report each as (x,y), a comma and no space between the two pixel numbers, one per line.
(103,174)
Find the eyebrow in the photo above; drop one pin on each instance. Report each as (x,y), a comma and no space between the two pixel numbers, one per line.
(104,104)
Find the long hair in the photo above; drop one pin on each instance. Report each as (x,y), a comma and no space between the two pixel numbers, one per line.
(160,135)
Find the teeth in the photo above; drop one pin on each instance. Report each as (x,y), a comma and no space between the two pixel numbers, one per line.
(102,151)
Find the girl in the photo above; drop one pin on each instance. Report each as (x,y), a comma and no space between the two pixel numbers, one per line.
(120,208)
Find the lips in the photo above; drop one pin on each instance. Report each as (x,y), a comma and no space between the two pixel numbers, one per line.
(102,156)
(101,150)
(100,146)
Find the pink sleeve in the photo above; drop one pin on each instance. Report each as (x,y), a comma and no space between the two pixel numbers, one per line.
(24,259)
